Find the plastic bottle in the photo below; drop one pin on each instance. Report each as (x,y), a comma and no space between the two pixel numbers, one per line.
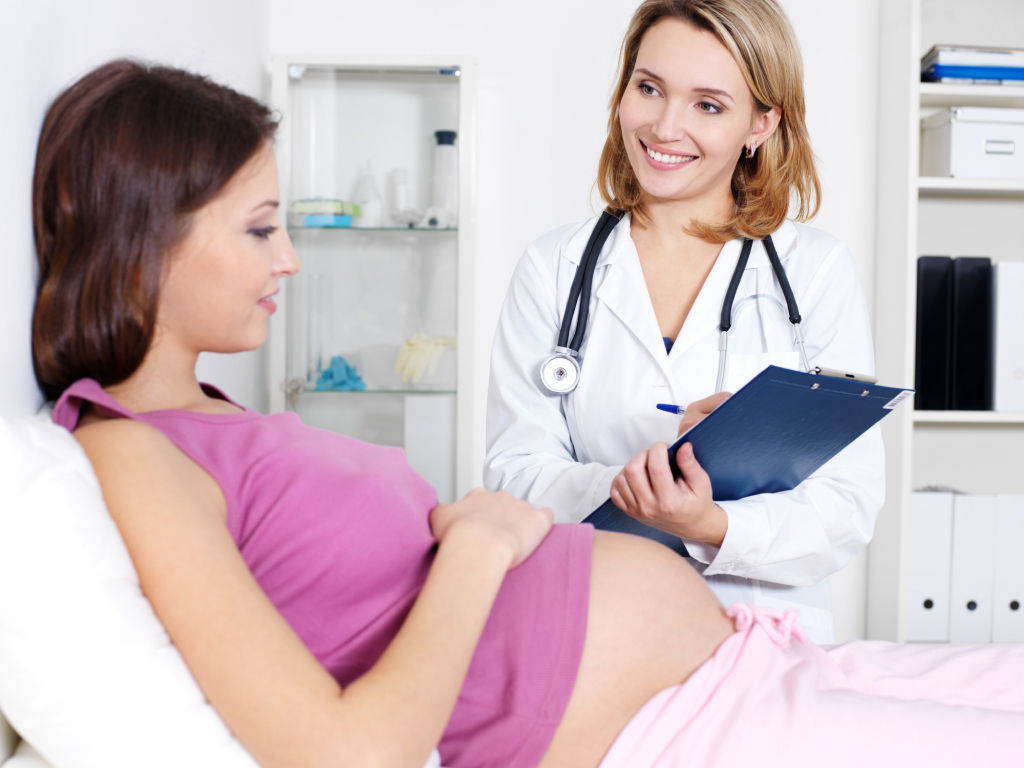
(369,199)
(446,177)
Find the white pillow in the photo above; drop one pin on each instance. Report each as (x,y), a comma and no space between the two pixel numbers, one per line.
(88,675)
(26,757)
(8,739)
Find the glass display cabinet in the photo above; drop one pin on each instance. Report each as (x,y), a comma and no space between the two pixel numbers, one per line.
(370,337)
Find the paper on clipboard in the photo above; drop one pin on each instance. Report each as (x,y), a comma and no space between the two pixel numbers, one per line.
(780,427)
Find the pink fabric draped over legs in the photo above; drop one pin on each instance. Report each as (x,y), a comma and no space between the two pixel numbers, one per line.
(768,697)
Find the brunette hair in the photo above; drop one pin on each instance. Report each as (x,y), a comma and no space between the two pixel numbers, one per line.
(761,40)
(126,155)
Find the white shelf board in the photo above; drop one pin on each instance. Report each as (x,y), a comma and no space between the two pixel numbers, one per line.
(967,95)
(941,185)
(968,417)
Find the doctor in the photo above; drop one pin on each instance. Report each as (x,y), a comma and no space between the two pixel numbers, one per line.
(706,146)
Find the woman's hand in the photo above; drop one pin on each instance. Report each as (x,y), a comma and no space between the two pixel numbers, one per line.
(514,522)
(699,409)
(645,490)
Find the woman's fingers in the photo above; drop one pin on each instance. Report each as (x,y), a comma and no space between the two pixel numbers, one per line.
(699,409)
(646,490)
(641,493)
(693,474)
(522,525)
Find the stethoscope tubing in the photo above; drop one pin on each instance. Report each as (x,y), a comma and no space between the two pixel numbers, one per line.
(583,281)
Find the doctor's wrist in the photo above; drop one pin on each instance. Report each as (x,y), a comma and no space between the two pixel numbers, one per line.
(714,526)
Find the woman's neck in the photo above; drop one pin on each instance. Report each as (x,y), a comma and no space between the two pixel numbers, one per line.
(667,230)
(166,382)
(671,220)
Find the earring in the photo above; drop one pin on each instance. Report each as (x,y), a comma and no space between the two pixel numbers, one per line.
(751,149)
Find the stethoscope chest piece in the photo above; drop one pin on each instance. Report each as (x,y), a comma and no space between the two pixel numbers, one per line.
(560,373)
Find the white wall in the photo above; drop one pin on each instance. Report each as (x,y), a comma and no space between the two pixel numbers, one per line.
(46,44)
(545,73)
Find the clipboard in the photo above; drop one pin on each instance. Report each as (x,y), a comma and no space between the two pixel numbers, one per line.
(771,435)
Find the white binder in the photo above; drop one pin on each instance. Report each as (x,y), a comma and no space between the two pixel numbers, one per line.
(1008,587)
(929,552)
(1008,322)
(972,574)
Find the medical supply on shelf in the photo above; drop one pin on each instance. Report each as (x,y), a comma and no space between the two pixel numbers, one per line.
(445,185)
(418,355)
(339,375)
(326,220)
(403,214)
(367,195)
(324,205)
(322,212)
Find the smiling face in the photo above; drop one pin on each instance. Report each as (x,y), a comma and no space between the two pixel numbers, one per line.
(218,291)
(686,117)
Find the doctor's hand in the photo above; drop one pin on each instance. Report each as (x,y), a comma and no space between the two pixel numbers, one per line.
(699,409)
(645,490)
(499,517)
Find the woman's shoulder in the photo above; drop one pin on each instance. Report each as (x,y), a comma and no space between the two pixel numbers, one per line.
(82,397)
(815,259)
(805,239)
(131,455)
(567,240)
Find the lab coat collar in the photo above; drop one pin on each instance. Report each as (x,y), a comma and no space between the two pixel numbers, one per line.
(611,252)
(623,290)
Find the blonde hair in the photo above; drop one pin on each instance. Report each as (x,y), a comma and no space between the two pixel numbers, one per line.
(761,40)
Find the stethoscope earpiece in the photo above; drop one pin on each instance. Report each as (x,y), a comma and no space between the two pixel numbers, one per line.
(560,373)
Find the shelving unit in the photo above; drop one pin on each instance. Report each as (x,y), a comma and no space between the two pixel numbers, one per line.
(977,452)
(365,292)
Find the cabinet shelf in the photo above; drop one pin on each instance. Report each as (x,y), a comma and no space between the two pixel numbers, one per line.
(967,95)
(365,292)
(956,187)
(968,417)
(378,391)
(292,230)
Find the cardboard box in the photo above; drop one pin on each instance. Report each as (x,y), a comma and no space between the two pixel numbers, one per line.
(973,143)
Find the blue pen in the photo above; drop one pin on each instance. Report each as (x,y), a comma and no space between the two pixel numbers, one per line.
(676,409)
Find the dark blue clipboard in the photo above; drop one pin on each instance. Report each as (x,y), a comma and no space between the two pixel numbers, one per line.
(769,436)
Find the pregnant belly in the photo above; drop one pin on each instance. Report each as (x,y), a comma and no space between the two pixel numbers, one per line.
(652,621)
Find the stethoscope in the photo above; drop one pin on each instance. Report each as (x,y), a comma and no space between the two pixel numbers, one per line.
(560,372)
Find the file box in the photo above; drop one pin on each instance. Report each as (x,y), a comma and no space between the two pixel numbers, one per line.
(973,142)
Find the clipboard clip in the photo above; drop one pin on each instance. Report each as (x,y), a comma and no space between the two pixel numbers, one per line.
(843,374)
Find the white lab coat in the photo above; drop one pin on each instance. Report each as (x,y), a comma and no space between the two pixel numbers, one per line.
(563,452)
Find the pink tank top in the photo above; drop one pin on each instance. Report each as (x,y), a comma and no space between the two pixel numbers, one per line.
(336,533)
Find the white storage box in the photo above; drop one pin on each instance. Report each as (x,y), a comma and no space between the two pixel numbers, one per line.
(974,143)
